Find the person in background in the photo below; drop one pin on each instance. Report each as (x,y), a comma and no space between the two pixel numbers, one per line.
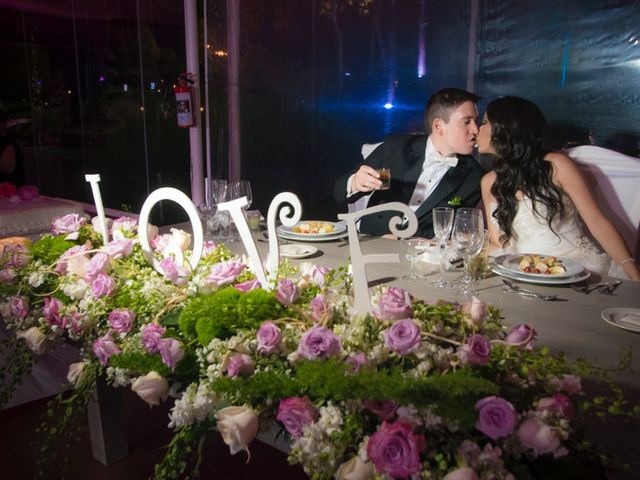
(11,159)
(535,199)
(427,171)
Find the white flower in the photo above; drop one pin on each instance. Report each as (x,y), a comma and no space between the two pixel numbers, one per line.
(151,387)
(180,239)
(355,469)
(196,404)
(95,223)
(77,265)
(75,290)
(75,372)
(152,231)
(238,426)
(36,279)
(36,340)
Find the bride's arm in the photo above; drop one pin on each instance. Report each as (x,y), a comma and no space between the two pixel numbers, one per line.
(568,177)
(488,200)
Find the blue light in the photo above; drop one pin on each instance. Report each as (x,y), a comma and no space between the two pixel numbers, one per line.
(152,85)
(388,105)
(347,74)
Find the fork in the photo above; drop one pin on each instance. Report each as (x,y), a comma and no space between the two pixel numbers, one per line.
(513,288)
(586,289)
(608,289)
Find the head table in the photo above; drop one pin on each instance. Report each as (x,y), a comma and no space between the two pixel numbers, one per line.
(571,324)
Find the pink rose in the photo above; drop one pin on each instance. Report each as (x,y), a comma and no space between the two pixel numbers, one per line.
(568,383)
(172,272)
(117,249)
(496,417)
(19,306)
(68,224)
(102,286)
(395,450)
(385,409)
(240,365)
(558,404)
(15,255)
(395,304)
(287,292)
(51,312)
(225,272)
(269,337)
(248,285)
(171,352)
(522,336)
(356,360)
(151,335)
(402,337)
(319,308)
(26,193)
(8,275)
(476,351)
(537,436)
(104,348)
(295,413)
(318,343)
(123,227)
(98,264)
(121,320)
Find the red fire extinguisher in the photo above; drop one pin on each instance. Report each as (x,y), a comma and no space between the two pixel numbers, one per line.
(184,101)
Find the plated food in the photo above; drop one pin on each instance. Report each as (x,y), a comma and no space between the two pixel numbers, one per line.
(314,227)
(541,265)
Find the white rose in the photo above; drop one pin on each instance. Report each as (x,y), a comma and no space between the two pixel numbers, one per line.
(152,231)
(95,223)
(75,372)
(477,310)
(464,473)
(355,469)
(238,427)
(151,387)
(180,238)
(36,340)
(77,265)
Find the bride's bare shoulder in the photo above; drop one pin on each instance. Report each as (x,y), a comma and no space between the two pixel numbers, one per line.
(488,179)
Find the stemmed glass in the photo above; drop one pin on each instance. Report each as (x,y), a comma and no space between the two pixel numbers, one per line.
(468,237)
(442,224)
(242,188)
(413,248)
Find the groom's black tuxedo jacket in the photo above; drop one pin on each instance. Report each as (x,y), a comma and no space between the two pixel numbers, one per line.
(404,155)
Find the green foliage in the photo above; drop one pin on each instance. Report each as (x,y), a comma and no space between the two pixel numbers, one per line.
(222,313)
(179,459)
(65,418)
(454,394)
(17,361)
(139,363)
(49,248)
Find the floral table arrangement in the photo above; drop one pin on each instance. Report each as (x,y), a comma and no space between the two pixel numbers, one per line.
(415,389)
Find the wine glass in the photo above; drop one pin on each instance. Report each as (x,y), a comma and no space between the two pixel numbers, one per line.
(442,224)
(413,248)
(468,237)
(242,188)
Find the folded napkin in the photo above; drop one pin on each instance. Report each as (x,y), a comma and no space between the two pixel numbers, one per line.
(432,255)
(630,320)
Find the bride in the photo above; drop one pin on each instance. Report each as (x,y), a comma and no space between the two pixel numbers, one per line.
(535,198)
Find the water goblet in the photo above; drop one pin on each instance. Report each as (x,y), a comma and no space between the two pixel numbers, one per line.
(442,224)
(468,237)
(413,248)
(242,188)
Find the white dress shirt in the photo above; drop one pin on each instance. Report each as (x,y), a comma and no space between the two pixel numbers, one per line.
(434,168)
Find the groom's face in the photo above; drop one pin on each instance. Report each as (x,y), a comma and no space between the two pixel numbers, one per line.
(458,135)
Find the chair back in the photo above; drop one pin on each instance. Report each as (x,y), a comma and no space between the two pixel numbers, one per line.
(614,180)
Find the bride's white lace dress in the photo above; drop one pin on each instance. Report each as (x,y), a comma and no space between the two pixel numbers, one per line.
(531,234)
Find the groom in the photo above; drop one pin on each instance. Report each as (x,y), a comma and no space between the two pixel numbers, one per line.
(426,172)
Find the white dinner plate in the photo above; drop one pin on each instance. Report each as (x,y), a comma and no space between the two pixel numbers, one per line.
(339,230)
(511,262)
(624,318)
(297,250)
(541,279)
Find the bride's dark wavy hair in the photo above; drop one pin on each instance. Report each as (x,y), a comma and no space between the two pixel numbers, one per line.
(517,132)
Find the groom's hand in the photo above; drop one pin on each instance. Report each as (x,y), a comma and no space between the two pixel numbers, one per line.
(365,180)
